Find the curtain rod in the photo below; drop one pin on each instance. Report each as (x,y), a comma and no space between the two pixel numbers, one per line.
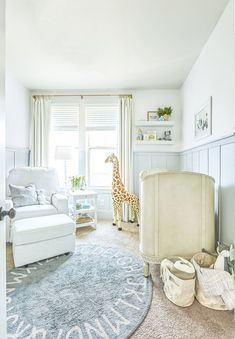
(82,95)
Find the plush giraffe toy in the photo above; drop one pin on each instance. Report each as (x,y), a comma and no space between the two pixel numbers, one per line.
(120,195)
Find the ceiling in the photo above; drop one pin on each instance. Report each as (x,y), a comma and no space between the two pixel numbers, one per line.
(106,44)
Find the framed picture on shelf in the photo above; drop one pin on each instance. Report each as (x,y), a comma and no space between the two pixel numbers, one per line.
(202,121)
(152,116)
(150,136)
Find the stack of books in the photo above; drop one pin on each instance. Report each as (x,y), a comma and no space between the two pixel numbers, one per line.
(82,218)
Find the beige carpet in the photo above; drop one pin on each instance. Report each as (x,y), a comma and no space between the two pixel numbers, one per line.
(164,320)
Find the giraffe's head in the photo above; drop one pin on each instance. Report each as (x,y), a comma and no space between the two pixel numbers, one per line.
(111,158)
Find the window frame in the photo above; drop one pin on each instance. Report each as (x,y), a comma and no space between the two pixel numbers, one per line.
(84,150)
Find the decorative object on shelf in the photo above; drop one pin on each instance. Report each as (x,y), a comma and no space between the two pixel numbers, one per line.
(202,121)
(86,204)
(120,195)
(164,114)
(78,206)
(167,135)
(139,134)
(152,116)
(150,136)
(78,182)
(167,113)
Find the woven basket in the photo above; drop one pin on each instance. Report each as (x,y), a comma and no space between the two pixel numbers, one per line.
(180,292)
(202,262)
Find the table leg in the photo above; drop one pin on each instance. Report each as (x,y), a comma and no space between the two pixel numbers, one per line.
(95,205)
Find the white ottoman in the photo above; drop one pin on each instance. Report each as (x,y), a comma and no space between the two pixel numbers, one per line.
(42,237)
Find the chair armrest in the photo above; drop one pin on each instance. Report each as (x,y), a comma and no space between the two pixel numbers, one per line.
(9,204)
(60,201)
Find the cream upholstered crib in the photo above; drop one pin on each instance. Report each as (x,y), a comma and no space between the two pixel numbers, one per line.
(177,214)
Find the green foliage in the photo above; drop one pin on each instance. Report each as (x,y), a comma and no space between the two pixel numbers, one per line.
(77,181)
(168,110)
(160,112)
(164,111)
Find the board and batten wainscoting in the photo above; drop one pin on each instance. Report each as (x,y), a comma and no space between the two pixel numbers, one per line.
(104,203)
(16,157)
(217,159)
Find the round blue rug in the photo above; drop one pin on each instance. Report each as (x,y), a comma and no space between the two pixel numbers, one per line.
(97,292)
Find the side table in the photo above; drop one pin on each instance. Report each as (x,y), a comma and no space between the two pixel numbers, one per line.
(80,196)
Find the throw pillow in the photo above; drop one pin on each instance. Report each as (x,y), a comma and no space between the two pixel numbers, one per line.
(23,196)
(42,199)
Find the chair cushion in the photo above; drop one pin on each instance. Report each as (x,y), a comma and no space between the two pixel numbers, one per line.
(31,230)
(34,211)
(23,196)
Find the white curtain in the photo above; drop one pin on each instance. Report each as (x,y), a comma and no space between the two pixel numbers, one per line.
(40,131)
(125,148)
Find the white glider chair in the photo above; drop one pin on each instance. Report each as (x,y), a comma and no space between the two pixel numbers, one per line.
(42,178)
(43,230)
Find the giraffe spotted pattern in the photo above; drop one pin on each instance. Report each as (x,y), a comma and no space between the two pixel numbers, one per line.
(120,195)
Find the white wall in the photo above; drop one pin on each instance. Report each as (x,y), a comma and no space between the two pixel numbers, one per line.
(156,156)
(213,74)
(149,100)
(17,114)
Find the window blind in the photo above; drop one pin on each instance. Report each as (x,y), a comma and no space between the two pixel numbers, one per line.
(65,116)
(101,113)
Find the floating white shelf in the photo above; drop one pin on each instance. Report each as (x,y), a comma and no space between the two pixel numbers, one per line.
(90,209)
(142,123)
(156,142)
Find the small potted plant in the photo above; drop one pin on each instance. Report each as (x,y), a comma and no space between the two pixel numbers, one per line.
(167,113)
(164,114)
(78,182)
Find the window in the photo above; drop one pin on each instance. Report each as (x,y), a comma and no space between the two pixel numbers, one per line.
(100,145)
(65,132)
(101,126)
(89,128)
